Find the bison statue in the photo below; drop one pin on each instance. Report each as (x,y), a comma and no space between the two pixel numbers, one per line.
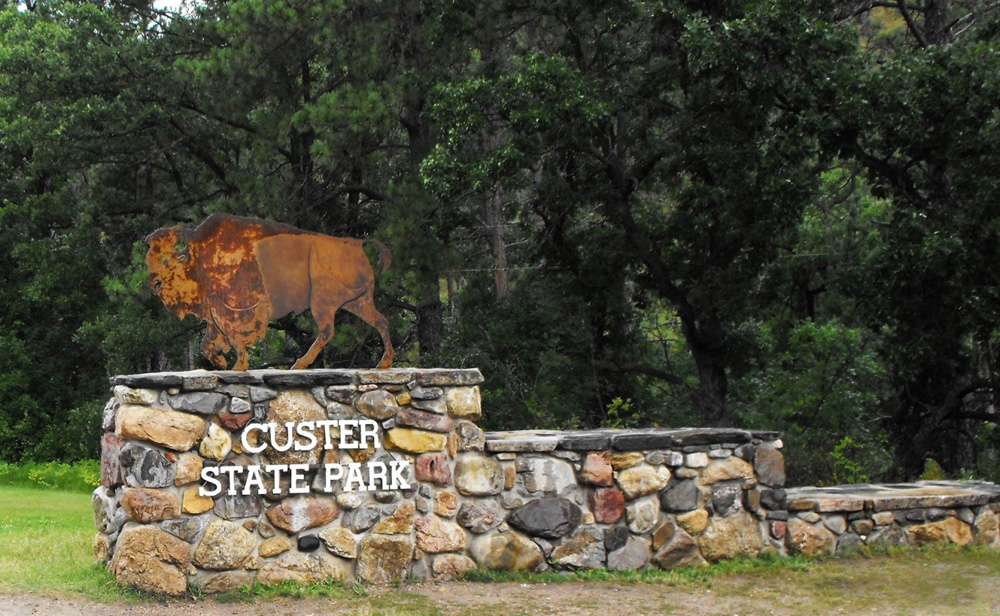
(236,274)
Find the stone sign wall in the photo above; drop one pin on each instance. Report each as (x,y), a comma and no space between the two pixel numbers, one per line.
(199,482)
(220,479)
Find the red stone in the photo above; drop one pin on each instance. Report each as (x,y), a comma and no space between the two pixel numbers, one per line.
(234,421)
(296,515)
(778,529)
(111,447)
(424,420)
(607,504)
(597,469)
(146,505)
(434,467)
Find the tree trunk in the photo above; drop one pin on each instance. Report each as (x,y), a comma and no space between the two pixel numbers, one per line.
(938,22)
(713,387)
(430,315)
(418,127)
(493,219)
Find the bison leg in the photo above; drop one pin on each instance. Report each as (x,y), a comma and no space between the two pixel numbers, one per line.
(365,309)
(242,359)
(213,345)
(324,336)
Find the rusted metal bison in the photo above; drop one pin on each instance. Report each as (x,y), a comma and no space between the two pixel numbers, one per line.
(236,274)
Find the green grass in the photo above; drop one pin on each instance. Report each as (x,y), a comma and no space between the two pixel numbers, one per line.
(47,538)
(674,577)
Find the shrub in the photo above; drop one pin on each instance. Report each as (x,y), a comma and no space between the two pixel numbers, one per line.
(81,476)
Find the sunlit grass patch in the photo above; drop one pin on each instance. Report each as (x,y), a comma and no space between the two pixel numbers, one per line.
(47,538)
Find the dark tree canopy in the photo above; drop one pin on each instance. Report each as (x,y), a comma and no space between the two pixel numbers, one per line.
(767,213)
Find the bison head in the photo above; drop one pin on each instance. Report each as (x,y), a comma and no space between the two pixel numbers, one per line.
(171,274)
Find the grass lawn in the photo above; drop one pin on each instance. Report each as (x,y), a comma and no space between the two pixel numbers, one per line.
(46,535)
(46,539)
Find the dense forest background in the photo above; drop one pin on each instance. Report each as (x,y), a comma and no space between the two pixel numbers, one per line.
(777,214)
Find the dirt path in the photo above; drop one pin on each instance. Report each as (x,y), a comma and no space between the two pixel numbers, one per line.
(456,599)
(461,599)
(914,586)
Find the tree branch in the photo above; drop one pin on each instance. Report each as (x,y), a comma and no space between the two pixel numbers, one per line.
(654,372)
(364,190)
(979,416)
(912,25)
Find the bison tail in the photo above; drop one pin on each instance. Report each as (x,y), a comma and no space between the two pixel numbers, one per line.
(384,255)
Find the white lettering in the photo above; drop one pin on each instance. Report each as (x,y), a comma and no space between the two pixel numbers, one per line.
(247,447)
(398,481)
(333,473)
(347,433)
(275,470)
(305,430)
(376,471)
(254,478)
(298,475)
(304,436)
(369,430)
(208,475)
(354,477)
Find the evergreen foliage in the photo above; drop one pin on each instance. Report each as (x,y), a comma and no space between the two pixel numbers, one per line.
(762,213)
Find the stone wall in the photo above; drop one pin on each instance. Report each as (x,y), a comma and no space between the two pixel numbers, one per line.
(621,499)
(157,532)
(845,519)
(525,500)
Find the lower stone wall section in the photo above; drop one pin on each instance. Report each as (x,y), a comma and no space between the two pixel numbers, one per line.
(846,519)
(621,500)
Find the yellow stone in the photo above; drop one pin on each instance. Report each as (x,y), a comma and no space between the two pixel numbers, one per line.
(296,406)
(446,504)
(402,399)
(693,521)
(621,461)
(274,546)
(188,467)
(172,429)
(399,523)
(414,441)
(361,455)
(949,530)
(729,468)
(642,480)
(102,548)
(217,443)
(142,397)
(737,535)
(192,503)
(340,541)
(464,402)
(152,560)
(663,533)
(986,527)
(509,476)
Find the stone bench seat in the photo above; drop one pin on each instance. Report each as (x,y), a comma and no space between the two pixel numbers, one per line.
(888,497)
(842,519)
